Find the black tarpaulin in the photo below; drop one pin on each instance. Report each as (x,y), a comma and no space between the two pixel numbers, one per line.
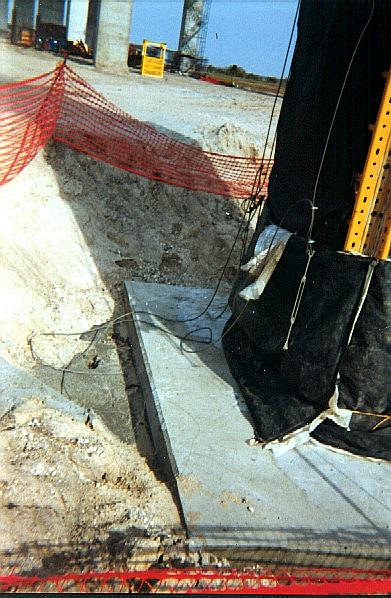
(328,31)
(342,335)
(287,389)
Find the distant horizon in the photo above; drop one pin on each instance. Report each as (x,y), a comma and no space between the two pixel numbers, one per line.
(252,34)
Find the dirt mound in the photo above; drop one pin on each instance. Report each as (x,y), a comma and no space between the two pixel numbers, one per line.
(229,139)
(73,228)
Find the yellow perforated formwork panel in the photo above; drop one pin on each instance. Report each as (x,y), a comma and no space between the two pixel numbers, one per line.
(369,231)
(153,59)
(378,236)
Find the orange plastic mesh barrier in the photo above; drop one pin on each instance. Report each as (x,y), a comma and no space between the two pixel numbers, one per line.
(197,581)
(29,112)
(63,106)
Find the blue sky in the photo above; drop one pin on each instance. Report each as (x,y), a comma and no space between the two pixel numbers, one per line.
(251,33)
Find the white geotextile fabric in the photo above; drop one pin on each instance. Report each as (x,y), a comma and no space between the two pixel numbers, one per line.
(340,416)
(268,251)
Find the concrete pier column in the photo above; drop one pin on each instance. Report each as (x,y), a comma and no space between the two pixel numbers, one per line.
(77,19)
(25,14)
(113,30)
(52,11)
(3,15)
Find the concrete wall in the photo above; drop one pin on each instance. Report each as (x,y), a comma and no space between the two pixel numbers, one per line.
(113,35)
(77,19)
(52,11)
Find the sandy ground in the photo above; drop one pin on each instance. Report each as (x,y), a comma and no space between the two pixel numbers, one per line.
(72,496)
(71,230)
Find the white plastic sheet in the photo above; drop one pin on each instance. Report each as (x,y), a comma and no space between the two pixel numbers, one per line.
(268,251)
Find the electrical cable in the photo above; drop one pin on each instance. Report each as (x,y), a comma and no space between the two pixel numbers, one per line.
(66,369)
(259,181)
(129,317)
(123,317)
(239,316)
(251,204)
(325,148)
(258,207)
(251,200)
(279,86)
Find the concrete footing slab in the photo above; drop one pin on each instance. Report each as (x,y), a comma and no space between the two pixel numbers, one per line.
(312,506)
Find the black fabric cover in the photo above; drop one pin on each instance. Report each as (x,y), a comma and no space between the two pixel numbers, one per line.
(365,375)
(285,389)
(328,31)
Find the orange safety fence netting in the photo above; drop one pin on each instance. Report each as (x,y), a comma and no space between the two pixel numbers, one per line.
(208,581)
(29,112)
(62,106)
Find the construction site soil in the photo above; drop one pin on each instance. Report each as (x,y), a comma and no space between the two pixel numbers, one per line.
(83,493)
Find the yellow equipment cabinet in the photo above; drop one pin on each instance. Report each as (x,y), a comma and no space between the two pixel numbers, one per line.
(153,57)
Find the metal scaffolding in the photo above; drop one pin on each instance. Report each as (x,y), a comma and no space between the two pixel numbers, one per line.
(192,38)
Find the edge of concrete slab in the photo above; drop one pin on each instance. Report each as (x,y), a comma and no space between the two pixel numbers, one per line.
(336,546)
(155,415)
(247,556)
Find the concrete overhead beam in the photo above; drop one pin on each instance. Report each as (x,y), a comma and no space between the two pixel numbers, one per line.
(112,43)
